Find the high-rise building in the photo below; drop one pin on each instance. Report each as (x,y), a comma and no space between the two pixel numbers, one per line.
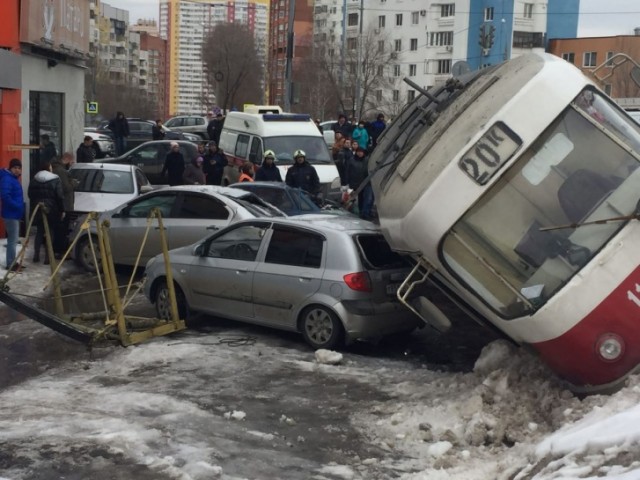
(185,25)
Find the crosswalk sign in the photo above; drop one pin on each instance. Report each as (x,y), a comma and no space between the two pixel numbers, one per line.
(92,107)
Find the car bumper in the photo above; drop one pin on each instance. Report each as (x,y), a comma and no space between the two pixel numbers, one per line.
(371,321)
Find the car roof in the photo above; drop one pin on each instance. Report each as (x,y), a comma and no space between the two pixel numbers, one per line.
(328,223)
(209,189)
(278,185)
(120,167)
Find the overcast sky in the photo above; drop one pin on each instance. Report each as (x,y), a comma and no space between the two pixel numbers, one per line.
(598,18)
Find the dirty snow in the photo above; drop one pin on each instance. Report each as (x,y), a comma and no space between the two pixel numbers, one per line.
(185,407)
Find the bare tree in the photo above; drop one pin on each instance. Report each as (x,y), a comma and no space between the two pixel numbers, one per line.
(361,80)
(234,69)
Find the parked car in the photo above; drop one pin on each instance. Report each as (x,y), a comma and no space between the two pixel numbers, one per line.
(328,134)
(150,156)
(334,279)
(189,213)
(103,145)
(140,132)
(292,201)
(195,124)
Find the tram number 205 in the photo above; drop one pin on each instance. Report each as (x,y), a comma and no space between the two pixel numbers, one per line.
(494,148)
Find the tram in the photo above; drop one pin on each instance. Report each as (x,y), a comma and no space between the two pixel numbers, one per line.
(515,190)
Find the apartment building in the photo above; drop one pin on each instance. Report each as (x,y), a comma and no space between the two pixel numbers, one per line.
(185,26)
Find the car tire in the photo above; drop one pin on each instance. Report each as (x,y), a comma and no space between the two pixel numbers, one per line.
(161,299)
(321,328)
(83,255)
(98,152)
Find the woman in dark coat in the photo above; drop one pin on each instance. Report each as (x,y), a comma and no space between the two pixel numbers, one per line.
(174,165)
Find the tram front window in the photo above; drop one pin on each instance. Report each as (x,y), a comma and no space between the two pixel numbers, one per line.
(579,170)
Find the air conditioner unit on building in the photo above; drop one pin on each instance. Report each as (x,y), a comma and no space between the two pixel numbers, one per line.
(449,48)
(394,55)
(423,13)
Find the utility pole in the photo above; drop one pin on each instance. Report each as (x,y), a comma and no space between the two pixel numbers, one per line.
(356,100)
(288,90)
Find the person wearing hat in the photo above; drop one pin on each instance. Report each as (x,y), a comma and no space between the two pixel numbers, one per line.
(193,174)
(268,172)
(12,199)
(214,163)
(342,126)
(302,174)
(174,165)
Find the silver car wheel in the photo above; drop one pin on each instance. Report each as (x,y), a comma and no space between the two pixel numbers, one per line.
(84,255)
(321,328)
(163,303)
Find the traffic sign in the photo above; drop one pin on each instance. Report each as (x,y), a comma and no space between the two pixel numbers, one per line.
(92,107)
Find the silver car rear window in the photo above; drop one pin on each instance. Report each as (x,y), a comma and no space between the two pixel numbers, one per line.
(102,181)
(378,254)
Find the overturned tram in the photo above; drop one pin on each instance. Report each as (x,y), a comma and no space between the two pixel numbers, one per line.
(515,191)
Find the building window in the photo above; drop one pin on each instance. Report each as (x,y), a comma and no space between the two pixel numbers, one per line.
(488,14)
(352,20)
(569,57)
(444,66)
(607,89)
(411,95)
(378,95)
(447,10)
(396,95)
(396,70)
(397,45)
(381,21)
(380,45)
(413,44)
(441,38)
(380,70)
(609,56)
(528,40)
(412,70)
(415,18)
(352,43)
(590,59)
(528,10)
(398,19)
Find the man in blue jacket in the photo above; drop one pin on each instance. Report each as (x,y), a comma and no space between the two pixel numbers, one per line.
(12,208)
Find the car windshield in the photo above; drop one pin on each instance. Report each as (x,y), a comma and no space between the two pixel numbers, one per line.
(257,206)
(102,181)
(314,147)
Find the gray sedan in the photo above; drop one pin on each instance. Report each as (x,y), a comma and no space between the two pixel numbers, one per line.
(334,279)
(189,213)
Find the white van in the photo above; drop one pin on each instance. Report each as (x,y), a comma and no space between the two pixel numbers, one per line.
(246,136)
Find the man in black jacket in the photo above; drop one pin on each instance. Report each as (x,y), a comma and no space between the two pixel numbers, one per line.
(174,165)
(302,174)
(268,172)
(120,128)
(85,152)
(214,163)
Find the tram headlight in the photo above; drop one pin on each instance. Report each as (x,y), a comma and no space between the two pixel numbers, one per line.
(610,347)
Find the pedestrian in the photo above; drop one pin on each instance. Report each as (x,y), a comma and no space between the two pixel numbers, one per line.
(377,128)
(214,163)
(303,175)
(246,172)
(361,136)
(46,189)
(356,172)
(193,174)
(268,172)
(344,157)
(214,127)
(12,212)
(60,167)
(48,149)
(174,165)
(342,126)
(157,131)
(202,149)
(85,152)
(120,128)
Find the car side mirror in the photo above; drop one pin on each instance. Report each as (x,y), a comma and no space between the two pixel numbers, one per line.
(124,212)
(199,250)
(146,188)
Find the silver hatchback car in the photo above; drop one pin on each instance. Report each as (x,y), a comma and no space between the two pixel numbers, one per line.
(334,279)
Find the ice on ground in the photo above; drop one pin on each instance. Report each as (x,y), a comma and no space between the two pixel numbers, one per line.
(328,357)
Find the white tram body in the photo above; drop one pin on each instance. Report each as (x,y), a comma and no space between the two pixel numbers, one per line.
(468,177)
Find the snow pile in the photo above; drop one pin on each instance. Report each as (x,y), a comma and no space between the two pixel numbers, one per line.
(328,357)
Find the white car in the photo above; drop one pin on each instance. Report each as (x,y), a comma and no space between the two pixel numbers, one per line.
(328,134)
(102,144)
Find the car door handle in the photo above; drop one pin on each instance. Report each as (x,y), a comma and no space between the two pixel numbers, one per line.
(242,270)
(306,279)
(213,227)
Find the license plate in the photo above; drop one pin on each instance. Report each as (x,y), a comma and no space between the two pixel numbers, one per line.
(392,288)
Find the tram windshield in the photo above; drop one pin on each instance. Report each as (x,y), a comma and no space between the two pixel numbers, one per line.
(583,168)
